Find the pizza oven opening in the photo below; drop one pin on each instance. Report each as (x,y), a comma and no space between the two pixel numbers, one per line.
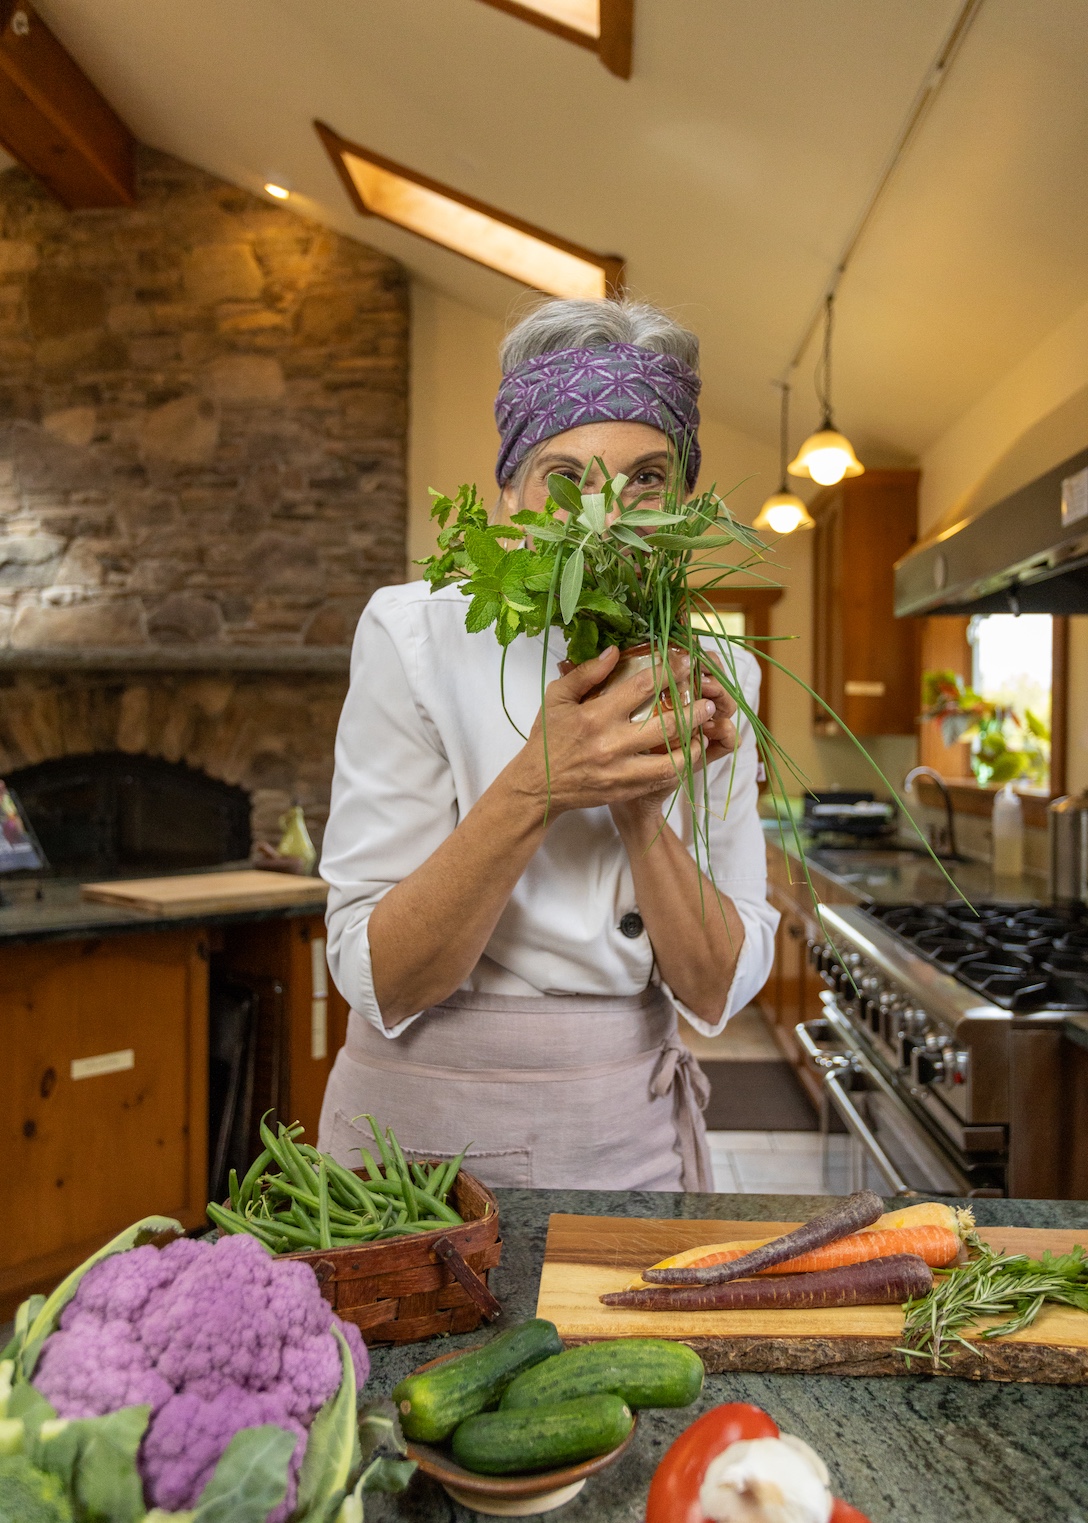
(109,814)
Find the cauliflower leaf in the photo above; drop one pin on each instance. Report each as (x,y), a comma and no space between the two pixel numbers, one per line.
(333,1447)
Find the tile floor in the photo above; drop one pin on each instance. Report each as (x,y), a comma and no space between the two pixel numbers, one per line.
(766,1163)
(777,1163)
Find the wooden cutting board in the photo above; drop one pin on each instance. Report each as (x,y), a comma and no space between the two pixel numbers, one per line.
(587,1256)
(209,893)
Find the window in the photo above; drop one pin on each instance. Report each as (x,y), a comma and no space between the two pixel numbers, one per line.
(605,26)
(1012,668)
(1011,659)
(379,187)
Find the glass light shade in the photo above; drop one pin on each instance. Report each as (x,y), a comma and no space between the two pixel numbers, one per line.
(782,513)
(279,192)
(826,456)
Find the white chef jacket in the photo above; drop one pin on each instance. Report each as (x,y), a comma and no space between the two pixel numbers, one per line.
(423,734)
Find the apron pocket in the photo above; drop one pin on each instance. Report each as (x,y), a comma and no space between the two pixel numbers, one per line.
(502,1168)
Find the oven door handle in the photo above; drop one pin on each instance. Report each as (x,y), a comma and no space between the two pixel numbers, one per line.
(823,1060)
(856,1125)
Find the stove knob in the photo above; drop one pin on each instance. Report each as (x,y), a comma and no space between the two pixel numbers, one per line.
(815,954)
(905,1045)
(927,1066)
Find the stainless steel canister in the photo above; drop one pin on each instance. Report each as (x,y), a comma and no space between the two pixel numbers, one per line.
(1067,826)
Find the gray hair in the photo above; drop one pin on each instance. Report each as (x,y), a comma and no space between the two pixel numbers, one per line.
(593,324)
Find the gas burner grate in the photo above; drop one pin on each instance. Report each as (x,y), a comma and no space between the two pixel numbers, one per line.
(1032,958)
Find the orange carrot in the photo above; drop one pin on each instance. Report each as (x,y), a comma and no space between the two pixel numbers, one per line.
(938,1246)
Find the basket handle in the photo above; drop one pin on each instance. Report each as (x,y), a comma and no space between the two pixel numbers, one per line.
(473,1286)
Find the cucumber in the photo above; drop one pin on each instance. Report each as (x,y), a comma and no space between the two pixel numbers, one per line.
(433,1402)
(542,1438)
(646,1372)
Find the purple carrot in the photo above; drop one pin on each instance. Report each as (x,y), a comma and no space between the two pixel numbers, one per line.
(850,1215)
(877,1282)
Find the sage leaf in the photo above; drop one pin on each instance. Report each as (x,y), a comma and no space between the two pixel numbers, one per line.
(593,511)
(564,492)
(630,538)
(570,588)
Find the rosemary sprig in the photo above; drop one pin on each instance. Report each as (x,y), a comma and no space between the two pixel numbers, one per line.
(991,1284)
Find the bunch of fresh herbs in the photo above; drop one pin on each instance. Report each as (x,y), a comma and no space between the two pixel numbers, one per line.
(991,1284)
(609,572)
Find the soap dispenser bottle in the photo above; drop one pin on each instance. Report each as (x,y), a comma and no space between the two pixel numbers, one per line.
(1008,834)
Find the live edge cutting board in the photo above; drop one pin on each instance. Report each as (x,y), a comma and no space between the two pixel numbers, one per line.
(586,1256)
(210,893)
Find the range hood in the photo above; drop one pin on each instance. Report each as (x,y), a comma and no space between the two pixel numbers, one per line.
(1025,554)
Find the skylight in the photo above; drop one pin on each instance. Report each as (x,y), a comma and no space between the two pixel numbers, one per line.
(603,25)
(380,188)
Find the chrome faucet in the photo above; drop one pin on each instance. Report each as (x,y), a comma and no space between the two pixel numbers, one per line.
(936,778)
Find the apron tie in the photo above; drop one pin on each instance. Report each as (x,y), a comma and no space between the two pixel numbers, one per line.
(679,1073)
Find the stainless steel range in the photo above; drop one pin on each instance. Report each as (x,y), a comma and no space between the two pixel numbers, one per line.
(941,1039)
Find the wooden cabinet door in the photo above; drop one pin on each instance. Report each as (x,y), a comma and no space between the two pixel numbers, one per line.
(103,1096)
(865,659)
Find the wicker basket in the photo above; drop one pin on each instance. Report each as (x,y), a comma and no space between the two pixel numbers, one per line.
(402,1290)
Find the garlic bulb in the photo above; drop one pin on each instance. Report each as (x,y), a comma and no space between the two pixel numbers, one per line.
(767,1480)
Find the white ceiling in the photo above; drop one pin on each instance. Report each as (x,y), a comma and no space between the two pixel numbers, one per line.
(729,170)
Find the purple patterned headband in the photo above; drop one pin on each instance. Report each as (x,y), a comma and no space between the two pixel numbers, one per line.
(620,383)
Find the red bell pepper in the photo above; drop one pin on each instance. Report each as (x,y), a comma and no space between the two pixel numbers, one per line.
(674,1490)
(678,1480)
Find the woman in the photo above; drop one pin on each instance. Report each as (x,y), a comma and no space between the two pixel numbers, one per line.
(514,966)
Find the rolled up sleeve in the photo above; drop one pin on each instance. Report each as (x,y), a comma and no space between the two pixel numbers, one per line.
(393,800)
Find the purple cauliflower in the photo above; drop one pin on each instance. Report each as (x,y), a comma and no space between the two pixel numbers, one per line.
(215,1337)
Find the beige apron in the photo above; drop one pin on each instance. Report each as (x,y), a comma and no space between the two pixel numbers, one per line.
(554,1092)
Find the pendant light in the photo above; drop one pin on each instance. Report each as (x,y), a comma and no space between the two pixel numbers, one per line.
(783,512)
(826,456)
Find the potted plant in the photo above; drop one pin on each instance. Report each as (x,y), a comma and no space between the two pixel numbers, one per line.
(1006,744)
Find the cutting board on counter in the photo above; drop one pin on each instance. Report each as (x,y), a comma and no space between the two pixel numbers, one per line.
(588,1256)
(210,893)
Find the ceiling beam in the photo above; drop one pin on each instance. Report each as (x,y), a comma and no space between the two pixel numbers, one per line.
(54,121)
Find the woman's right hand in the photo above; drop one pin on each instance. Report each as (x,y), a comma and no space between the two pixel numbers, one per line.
(595,755)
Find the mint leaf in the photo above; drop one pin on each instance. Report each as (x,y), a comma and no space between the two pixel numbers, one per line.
(482,612)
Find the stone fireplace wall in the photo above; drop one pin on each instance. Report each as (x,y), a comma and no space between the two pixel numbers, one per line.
(203,415)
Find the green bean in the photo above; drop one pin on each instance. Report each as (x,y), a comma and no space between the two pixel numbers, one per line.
(406,1178)
(437,1208)
(303,1239)
(371,1167)
(301,1169)
(305,1198)
(440,1188)
(224,1218)
(232,1185)
(419,1176)
(323,1207)
(286,1164)
(253,1173)
(351,1184)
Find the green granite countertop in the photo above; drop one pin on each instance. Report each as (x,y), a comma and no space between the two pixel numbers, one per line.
(916,1449)
(900,872)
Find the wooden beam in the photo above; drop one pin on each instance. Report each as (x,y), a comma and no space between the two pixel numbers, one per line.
(54,121)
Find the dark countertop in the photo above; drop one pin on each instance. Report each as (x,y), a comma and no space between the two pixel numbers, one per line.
(916,1449)
(61,915)
(899,875)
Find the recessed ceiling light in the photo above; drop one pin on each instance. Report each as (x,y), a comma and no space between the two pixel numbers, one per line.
(542,260)
(278,191)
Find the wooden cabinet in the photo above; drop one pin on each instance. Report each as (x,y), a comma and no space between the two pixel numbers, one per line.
(104,1084)
(103,1096)
(865,659)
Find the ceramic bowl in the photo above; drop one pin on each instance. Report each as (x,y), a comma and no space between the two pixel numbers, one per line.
(508,1496)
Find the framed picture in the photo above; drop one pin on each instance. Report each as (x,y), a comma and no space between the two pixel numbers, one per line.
(20,851)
